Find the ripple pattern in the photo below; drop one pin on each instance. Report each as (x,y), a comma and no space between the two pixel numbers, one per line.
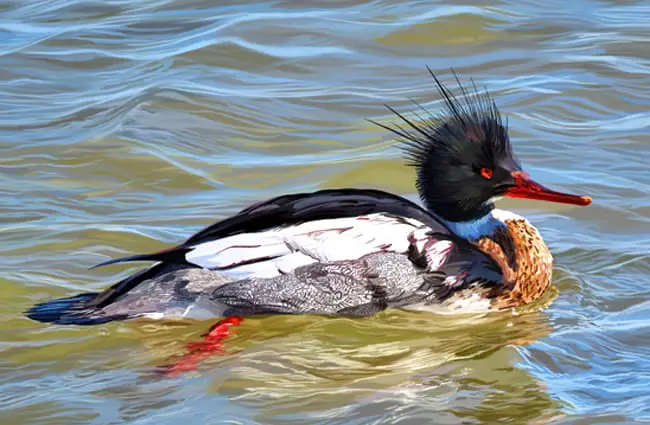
(127,125)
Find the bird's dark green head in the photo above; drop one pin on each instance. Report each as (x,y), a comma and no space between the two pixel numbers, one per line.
(463,157)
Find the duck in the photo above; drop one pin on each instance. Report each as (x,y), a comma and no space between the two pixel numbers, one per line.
(357,252)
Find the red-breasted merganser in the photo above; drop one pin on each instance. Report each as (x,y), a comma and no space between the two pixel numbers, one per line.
(356,252)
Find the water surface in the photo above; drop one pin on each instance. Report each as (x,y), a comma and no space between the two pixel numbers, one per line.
(125,126)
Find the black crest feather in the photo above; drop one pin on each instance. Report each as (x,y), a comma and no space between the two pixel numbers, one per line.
(474,108)
(447,149)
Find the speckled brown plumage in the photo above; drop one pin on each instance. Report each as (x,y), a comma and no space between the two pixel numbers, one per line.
(525,261)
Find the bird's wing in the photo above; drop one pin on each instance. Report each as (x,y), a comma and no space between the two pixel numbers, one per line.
(275,230)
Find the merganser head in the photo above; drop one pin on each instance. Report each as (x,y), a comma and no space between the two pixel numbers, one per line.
(464,159)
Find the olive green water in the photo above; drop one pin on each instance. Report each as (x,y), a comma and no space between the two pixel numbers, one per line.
(125,126)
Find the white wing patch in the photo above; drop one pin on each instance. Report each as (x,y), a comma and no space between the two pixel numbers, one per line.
(435,251)
(233,250)
(281,250)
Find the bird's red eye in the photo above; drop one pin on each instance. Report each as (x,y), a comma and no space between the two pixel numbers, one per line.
(486,173)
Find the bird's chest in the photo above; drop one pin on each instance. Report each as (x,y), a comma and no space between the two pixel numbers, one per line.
(525,261)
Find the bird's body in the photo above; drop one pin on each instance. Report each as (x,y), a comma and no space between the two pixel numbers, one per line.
(356,252)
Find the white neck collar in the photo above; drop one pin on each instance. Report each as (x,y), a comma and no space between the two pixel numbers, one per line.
(484,226)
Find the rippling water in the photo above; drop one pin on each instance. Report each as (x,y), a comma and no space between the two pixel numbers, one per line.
(125,126)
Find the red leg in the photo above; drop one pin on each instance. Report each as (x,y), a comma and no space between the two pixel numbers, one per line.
(210,345)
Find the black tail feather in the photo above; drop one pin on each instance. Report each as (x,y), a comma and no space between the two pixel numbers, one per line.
(171,255)
(89,308)
(69,311)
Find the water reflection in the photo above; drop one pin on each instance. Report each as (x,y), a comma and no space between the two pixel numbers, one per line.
(397,364)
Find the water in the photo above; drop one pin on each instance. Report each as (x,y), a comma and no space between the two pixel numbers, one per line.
(125,126)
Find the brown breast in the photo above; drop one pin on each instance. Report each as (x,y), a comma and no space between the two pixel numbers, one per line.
(525,261)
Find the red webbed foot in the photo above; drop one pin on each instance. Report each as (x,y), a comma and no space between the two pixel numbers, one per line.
(210,345)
